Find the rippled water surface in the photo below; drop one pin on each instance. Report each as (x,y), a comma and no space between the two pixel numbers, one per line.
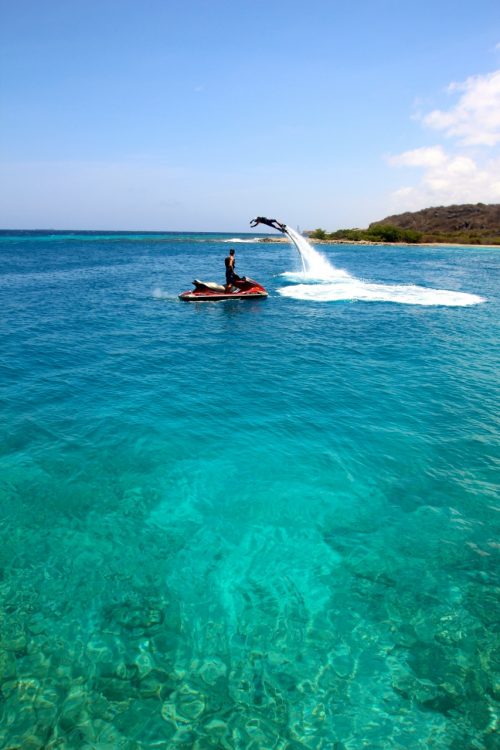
(270,524)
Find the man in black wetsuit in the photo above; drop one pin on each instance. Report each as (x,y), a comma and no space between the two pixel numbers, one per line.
(230,275)
(274,223)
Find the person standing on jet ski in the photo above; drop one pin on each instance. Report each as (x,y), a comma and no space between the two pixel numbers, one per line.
(230,274)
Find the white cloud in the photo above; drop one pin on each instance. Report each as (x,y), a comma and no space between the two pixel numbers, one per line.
(475,118)
(458,174)
(431,156)
(457,179)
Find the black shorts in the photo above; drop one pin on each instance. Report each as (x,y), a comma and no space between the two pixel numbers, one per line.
(229,276)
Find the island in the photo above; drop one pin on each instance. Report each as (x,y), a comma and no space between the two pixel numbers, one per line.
(466,224)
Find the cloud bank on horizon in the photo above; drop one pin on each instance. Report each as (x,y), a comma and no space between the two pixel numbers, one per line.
(467,170)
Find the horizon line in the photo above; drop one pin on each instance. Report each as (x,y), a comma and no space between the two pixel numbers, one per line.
(133,231)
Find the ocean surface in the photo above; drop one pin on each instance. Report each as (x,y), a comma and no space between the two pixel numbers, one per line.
(257,525)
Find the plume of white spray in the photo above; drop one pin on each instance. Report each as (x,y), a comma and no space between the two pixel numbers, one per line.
(314,264)
(334,284)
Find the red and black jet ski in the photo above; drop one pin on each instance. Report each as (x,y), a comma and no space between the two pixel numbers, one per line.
(244,288)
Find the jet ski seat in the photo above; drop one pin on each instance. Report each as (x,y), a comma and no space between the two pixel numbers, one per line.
(210,285)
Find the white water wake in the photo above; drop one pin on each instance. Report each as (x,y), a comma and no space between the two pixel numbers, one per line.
(234,240)
(159,293)
(325,283)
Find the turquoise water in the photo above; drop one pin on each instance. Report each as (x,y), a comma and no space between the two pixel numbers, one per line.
(251,525)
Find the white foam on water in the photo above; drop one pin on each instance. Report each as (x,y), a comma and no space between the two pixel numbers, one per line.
(298,277)
(160,294)
(325,283)
(406,294)
(235,240)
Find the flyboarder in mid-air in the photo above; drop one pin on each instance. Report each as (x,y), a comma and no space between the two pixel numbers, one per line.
(273,223)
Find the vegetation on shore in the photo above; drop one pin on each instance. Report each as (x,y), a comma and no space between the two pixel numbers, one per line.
(467,224)
(380,233)
(388,233)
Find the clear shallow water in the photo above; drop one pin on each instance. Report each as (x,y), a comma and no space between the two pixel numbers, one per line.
(270,524)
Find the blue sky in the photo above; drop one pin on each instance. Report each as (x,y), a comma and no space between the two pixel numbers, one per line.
(170,115)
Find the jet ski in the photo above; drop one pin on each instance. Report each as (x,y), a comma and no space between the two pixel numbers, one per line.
(243,288)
